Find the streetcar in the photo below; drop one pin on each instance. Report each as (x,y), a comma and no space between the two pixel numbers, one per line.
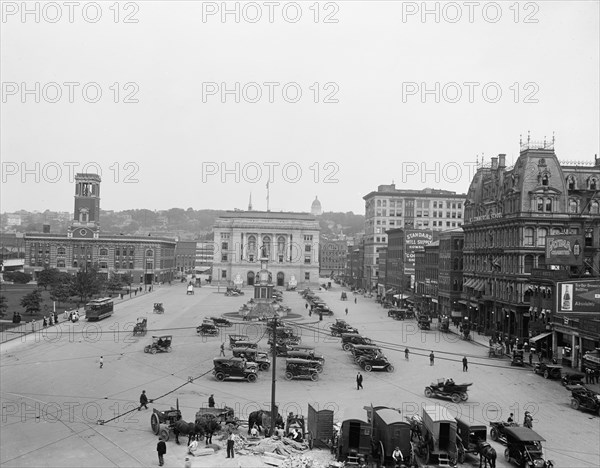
(98,309)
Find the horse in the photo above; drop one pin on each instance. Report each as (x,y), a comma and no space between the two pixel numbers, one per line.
(209,427)
(487,453)
(262,419)
(191,429)
(415,426)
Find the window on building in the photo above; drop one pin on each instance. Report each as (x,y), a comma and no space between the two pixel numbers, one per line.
(307,259)
(131,265)
(594,207)
(548,204)
(540,204)
(149,253)
(223,274)
(593,183)
(447,223)
(528,236)
(223,257)
(307,276)
(541,237)
(589,237)
(308,238)
(542,261)
(545,179)
(528,263)
(571,183)
(572,206)
(225,245)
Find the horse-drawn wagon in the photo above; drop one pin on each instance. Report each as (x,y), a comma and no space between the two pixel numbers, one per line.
(389,431)
(469,438)
(438,443)
(320,428)
(354,438)
(162,422)
(159,308)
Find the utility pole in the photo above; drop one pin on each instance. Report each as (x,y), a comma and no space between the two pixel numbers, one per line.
(273,380)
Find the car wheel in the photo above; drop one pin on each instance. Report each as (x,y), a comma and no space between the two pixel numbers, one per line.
(456,398)
(169,349)
(574,403)
(146,350)
(154,423)
(153,351)
(288,376)
(494,434)
(314,376)
(546,374)
(390,368)
(507,455)
(428,392)
(464,396)
(368,368)
(346,347)
(264,366)
(220,376)
(319,369)
(251,378)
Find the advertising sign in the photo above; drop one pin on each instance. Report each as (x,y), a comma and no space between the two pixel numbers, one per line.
(581,297)
(414,239)
(564,249)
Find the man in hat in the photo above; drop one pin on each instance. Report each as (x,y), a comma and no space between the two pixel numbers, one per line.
(161,449)
(211,401)
(143,400)
(397,456)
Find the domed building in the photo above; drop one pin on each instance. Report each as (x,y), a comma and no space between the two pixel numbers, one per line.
(315,208)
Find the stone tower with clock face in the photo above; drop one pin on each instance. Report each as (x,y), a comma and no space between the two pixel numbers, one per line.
(86,215)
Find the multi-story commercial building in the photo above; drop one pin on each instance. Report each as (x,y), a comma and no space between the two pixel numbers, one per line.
(205,252)
(510,284)
(333,257)
(185,256)
(391,208)
(357,260)
(450,275)
(148,258)
(289,240)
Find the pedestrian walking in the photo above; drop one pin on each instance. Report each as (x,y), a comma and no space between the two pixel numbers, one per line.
(359,381)
(306,305)
(143,400)
(346,310)
(222,349)
(230,443)
(32,326)
(510,419)
(465,364)
(587,375)
(161,449)
(45,323)
(530,358)
(431,358)
(320,316)
(50,320)
(101,362)
(406,352)
(211,401)
(355,300)
(55,318)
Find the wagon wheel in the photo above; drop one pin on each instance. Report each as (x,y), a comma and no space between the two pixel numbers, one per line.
(381,454)
(288,376)
(346,347)
(456,398)
(164,432)
(146,350)
(574,403)
(319,369)
(264,366)
(428,392)
(153,350)
(154,423)
(220,376)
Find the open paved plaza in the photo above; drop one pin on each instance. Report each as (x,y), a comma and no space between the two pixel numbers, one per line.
(54,391)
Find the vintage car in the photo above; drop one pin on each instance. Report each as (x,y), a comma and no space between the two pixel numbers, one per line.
(572,378)
(549,371)
(160,344)
(322,309)
(341,326)
(359,351)
(301,369)
(159,308)
(585,399)
(349,339)
(318,360)
(397,314)
(253,355)
(220,322)
(233,339)
(378,363)
(445,324)
(234,368)
(207,329)
(523,446)
(423,322)
(446,388)
(517,358)
(498,428)
(140,327)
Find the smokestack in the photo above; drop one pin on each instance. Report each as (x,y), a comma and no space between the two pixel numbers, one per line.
(494,163)
(501,161)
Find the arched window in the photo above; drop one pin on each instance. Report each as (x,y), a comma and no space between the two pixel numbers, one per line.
(556,231)
(103,252)
(545,179)
(571,185)
(540,204)
(572,206)
(548,204)
(593,183)
(528,236)
(149,253)
(61,251)
(541,237)
(117,265)
(595,207)
(60,263)
(528,264)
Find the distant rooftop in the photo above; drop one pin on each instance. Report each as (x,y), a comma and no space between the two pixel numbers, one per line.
(268,214)
(428,192)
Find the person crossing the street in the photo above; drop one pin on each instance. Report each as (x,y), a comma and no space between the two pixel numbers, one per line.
(465,364)
(143,400)
(406,353)
(431,358)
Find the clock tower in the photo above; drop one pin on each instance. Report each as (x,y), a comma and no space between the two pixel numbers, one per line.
(86,215)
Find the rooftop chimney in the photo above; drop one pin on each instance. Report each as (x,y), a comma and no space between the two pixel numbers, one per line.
(501,161)
(494,163)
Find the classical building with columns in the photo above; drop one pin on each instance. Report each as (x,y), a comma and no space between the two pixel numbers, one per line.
(289,240)
(148,259)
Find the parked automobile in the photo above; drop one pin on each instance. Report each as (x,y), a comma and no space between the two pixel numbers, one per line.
(378,362)
(300,368)
(549,371)
(234,368)
(253,355)
(349,339)
(524,448)
(318,360)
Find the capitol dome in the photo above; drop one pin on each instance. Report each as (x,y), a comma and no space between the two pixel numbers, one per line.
(315,208)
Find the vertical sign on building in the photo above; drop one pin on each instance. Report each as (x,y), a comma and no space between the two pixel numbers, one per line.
(414,239)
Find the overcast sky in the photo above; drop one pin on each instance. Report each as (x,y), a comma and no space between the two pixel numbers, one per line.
(169,138)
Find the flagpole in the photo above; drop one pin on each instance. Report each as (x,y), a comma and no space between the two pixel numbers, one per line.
(267,196)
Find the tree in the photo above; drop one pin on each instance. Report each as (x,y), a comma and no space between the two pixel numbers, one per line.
(114,283)
(61,290)
(3,305)
(31,302)
(48,277)
(18,277)
(86,283)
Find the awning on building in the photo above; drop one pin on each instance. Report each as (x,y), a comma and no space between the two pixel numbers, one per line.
(462,302)
(480,285)
(390,291)
(434,300)
(541,336)
(474,304)
(469,283)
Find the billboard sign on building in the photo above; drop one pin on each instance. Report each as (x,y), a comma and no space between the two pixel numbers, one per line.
(578,297)
(414,239)
(564,249)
